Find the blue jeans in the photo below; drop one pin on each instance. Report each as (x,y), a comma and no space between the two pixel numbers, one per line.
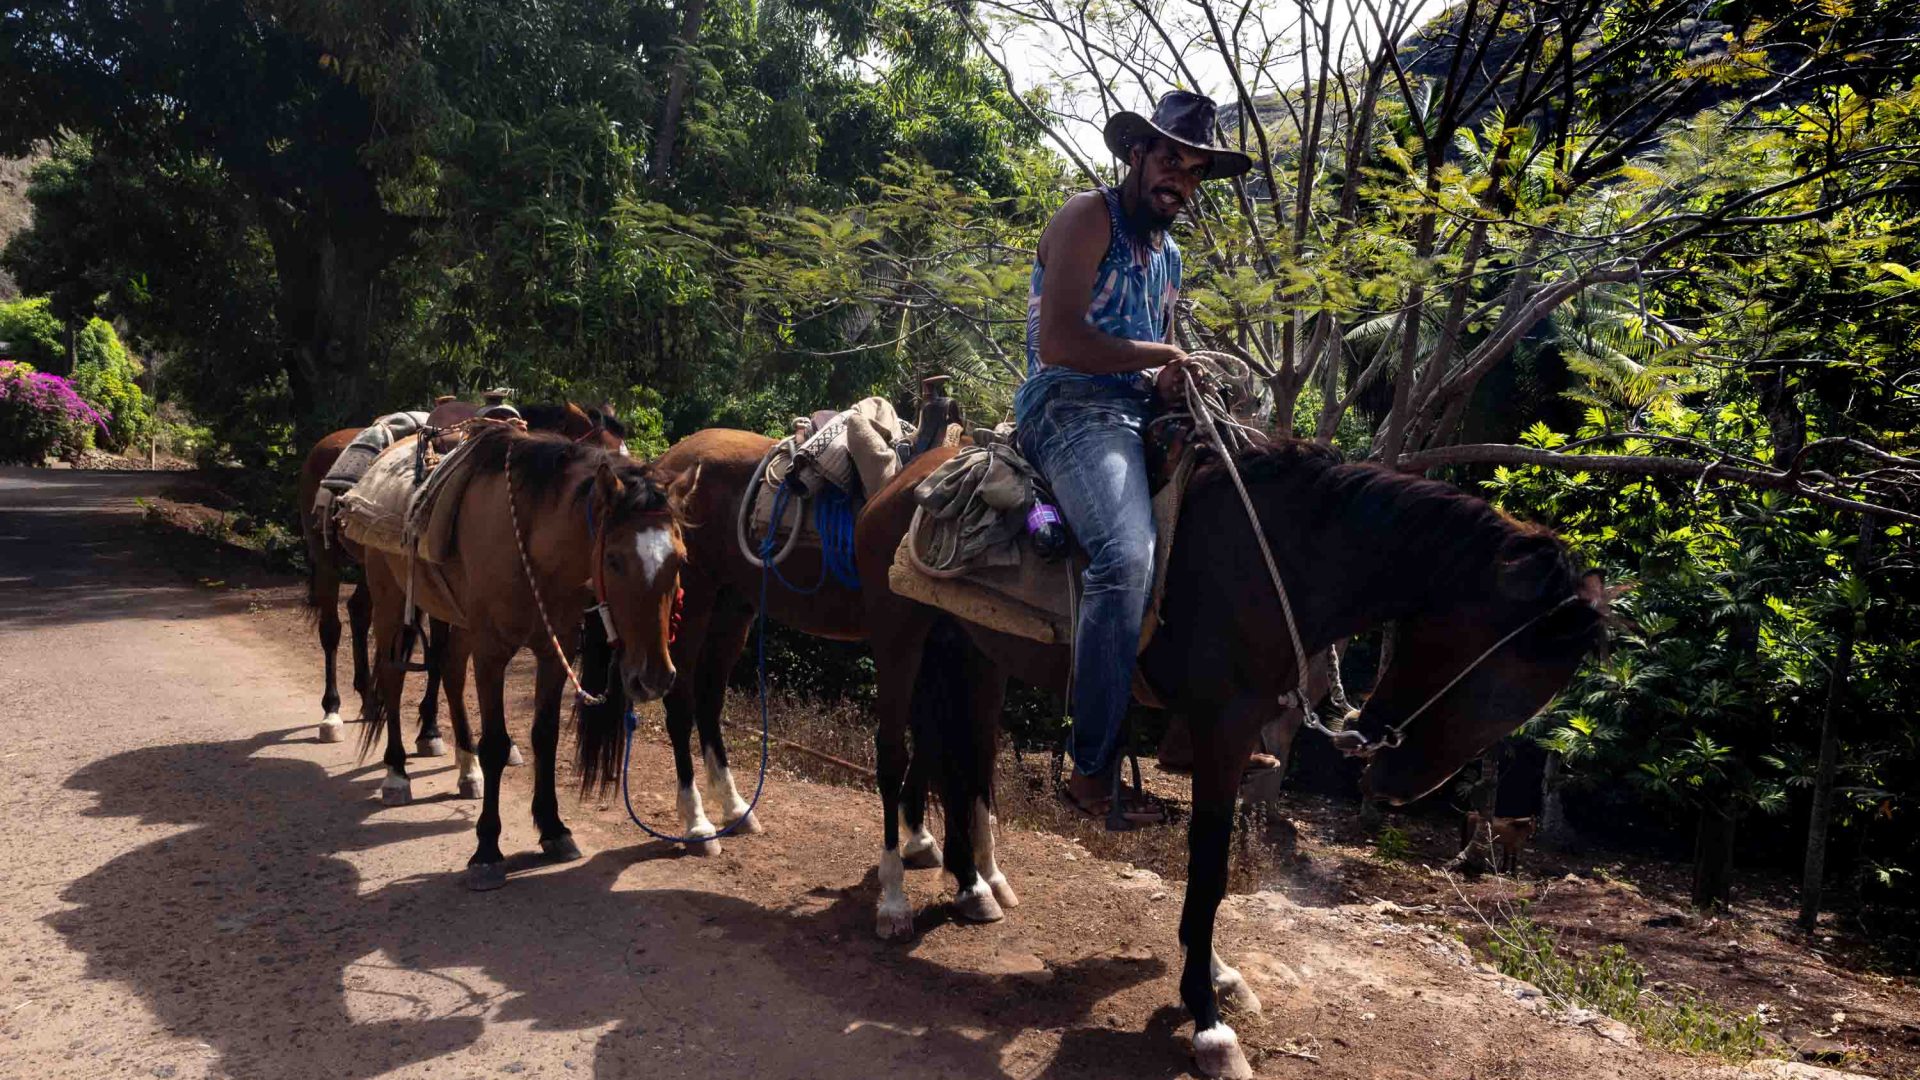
(1085,438)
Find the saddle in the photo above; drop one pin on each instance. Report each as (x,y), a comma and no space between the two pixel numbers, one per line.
(972,558)
(837,456)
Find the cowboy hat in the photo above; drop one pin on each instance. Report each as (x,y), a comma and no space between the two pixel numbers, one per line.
(1185,118)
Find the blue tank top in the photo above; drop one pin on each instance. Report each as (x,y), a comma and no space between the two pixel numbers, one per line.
(1133,297)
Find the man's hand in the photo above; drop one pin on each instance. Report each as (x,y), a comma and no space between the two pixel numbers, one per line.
(1170,386)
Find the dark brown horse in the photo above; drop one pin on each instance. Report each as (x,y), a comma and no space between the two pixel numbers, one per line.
(722,591)
(544,525)
(1492,620)
(326,564)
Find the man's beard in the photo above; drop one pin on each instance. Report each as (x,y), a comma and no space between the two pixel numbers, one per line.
(1147,222)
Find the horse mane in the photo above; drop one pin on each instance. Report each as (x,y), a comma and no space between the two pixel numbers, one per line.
(541,460)
(1458,531)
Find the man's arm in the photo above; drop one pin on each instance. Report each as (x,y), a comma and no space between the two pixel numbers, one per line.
(1071,250)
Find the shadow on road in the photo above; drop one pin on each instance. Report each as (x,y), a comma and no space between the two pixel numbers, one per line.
(249,930)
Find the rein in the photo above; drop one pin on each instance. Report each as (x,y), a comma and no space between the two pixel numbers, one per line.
(1349,741)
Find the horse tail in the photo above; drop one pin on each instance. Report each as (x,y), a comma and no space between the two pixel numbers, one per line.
(944,736)
(600,739)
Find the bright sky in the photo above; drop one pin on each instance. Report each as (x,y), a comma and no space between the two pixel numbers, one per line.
(1040,55)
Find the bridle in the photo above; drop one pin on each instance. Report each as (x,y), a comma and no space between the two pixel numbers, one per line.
(599,541)
(1349,742)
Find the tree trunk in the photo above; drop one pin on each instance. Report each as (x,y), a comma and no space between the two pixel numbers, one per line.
(1713,859)
(664,139)
(1555,830)
(73,346)
(1814,882)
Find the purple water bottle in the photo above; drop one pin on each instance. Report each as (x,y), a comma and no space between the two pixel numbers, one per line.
(1046,530)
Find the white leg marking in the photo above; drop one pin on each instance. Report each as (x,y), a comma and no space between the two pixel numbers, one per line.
(1217,1052)
(982,822)
(472,780)
(894,919)
(332,728)
(917,846)
(1231,989)
(396,790)
(725,796)
(654,547)
(693,816)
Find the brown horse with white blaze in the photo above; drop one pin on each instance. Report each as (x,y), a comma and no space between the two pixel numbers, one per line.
(1492,620)
(545,525)
(327,563)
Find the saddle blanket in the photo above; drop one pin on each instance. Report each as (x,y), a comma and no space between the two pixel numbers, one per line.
(354,461)
(854,451)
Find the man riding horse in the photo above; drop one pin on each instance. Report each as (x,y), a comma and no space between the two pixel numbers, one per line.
(1100,315)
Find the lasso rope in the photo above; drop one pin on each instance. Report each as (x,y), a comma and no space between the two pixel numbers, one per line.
(533,586)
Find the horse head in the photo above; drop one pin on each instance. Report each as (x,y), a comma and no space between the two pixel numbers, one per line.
(638,549)
(1465,675)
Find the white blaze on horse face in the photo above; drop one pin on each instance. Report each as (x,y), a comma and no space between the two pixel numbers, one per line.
(654,547)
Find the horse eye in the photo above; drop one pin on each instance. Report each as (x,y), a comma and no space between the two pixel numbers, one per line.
(617,562)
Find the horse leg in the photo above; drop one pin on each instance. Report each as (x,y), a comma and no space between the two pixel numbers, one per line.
(897,653)
(921,849)
(323,594)
(726,636)
(453,675)
(429,743)
(487,868)
(393,644)
(1220,744)
(681,703)
(989,697)
(556,840)
(359,620)
(977,897)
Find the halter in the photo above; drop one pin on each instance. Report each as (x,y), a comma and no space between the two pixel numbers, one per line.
(1350,742)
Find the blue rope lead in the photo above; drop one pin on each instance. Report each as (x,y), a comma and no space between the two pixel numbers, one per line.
(833,520)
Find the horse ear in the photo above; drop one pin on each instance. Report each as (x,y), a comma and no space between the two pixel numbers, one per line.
(681,493)
(607,489)
(1529,566)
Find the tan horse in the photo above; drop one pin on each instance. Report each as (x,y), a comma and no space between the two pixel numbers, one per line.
(545,524)
(326,563)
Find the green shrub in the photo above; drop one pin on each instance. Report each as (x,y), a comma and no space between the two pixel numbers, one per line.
(106,375)
(35,336)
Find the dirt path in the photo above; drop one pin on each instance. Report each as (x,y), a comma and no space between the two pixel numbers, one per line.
(195,887)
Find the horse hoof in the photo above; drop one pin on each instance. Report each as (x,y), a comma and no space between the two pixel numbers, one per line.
(1003,892)
(977,905)
(486,876)
(469,789)
(560,848)
(332,729)
(430,747)
(513,755)
(703,848)
(927,858)
(1235,996)
(396,791)
(894,924)
(1216,1051)
(749,825)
